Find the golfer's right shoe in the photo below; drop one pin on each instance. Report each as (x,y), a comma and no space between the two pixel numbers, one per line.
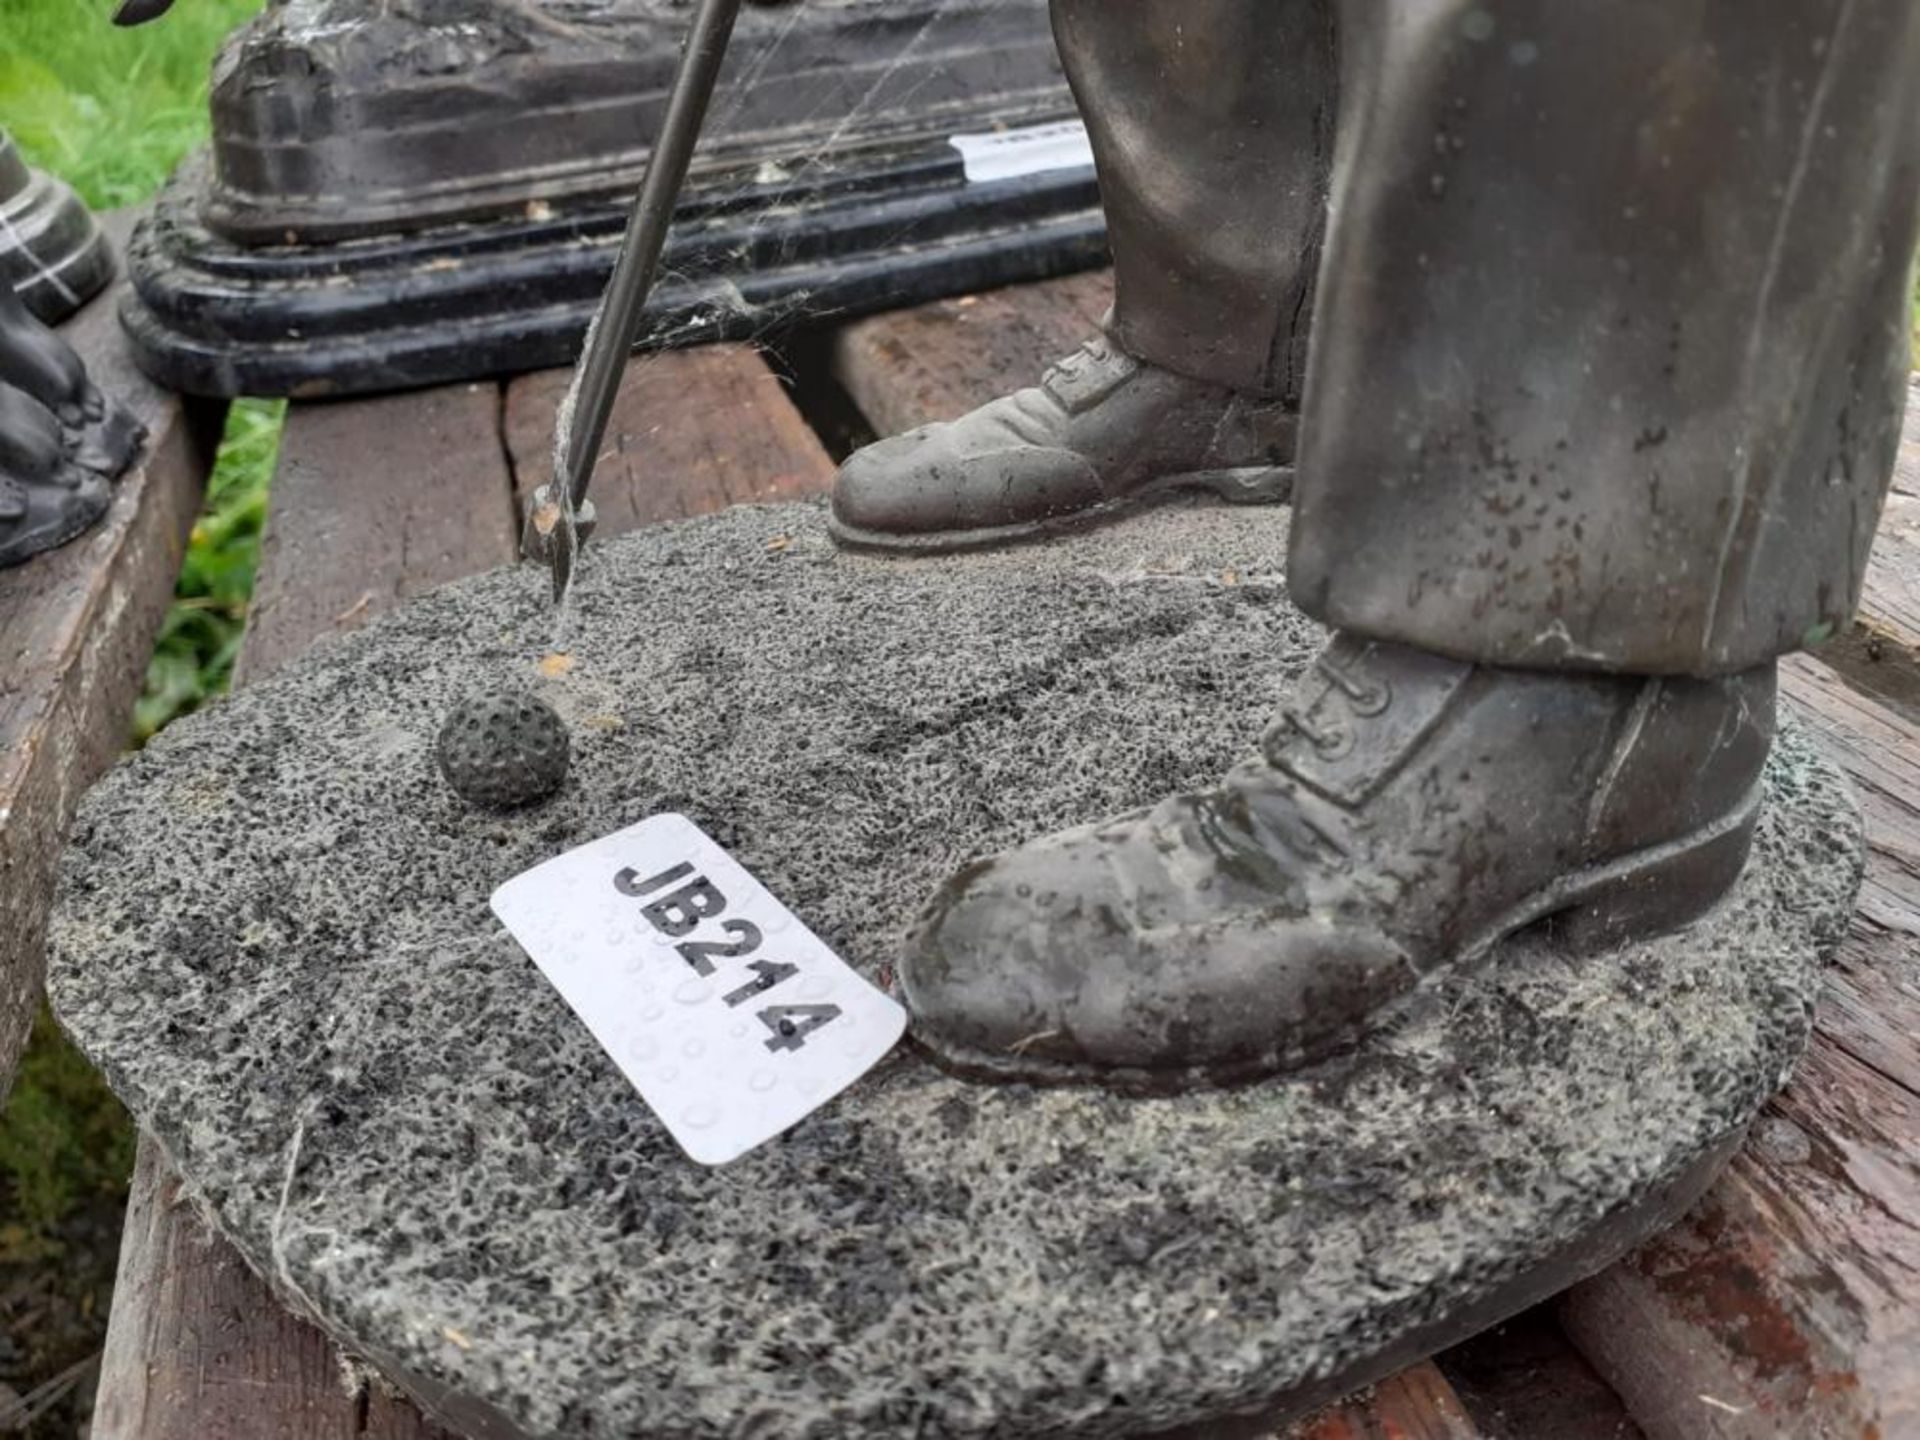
(1101,433)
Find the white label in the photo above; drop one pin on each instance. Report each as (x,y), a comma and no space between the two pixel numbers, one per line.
(730,1017)
(1031,150)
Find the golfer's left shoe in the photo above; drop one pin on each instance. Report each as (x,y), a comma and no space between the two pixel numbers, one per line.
(1407,812)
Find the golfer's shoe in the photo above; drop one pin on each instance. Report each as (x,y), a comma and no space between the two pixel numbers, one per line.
(1101,433)
(1406,813)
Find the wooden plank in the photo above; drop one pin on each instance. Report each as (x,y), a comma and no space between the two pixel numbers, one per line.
(1416,1404)
(1786,1303)
(76,630)
(691,431)
(374,500)
(938,361)
(1871,1005)
(1880,651)
(1906,465)
(1523,1380)
(196,1345)
(1783,1305)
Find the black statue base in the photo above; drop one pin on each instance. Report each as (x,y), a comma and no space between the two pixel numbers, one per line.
(423,190)
(52,254)
(341,118)
(846,237)
(273,935)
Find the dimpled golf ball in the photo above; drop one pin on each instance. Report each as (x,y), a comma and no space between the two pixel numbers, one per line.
(504,750)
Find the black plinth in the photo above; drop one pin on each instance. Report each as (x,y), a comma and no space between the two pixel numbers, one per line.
(426,190)
(872,232)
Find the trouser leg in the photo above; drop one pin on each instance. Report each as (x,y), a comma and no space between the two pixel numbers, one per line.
(1212,124)
(1610,345)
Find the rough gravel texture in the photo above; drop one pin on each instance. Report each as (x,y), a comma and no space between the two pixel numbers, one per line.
(273,935)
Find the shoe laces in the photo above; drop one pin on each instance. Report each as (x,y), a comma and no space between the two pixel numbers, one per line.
(1089,373)
(1365,697)
(1091,353)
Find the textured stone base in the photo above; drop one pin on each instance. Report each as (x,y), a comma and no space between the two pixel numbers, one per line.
(273,935)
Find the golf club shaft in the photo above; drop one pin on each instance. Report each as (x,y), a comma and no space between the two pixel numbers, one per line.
(653,208)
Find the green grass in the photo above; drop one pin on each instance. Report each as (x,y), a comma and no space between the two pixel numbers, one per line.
(110,111)
(64,1142)
(193,657)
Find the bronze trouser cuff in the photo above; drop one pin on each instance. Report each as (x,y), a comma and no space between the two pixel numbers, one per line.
(1609,342)
(1212,121)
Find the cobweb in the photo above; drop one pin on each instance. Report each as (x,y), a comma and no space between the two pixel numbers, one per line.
(789,177)
(770,187)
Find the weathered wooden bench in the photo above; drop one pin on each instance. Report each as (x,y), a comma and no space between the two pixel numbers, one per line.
(76,630)
(1787,1304)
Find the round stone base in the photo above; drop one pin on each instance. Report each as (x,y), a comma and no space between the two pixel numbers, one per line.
(273,935)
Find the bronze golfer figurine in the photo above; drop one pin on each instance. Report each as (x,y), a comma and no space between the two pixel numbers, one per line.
(1589,321)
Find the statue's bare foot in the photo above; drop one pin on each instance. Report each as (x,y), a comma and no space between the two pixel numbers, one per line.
(45,499)
(50,388)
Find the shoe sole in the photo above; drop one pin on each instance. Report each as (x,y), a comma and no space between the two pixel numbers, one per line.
(1257,485)
(1652,891)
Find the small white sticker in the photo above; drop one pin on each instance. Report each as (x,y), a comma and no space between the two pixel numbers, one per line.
(730,1017)
(1030,150)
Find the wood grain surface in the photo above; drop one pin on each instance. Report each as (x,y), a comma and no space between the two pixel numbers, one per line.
(76,629)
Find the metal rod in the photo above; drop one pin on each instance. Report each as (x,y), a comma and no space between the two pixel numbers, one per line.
(653,208)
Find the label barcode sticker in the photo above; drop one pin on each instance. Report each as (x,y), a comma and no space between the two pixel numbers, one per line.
(732,1019)
(1029,150)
